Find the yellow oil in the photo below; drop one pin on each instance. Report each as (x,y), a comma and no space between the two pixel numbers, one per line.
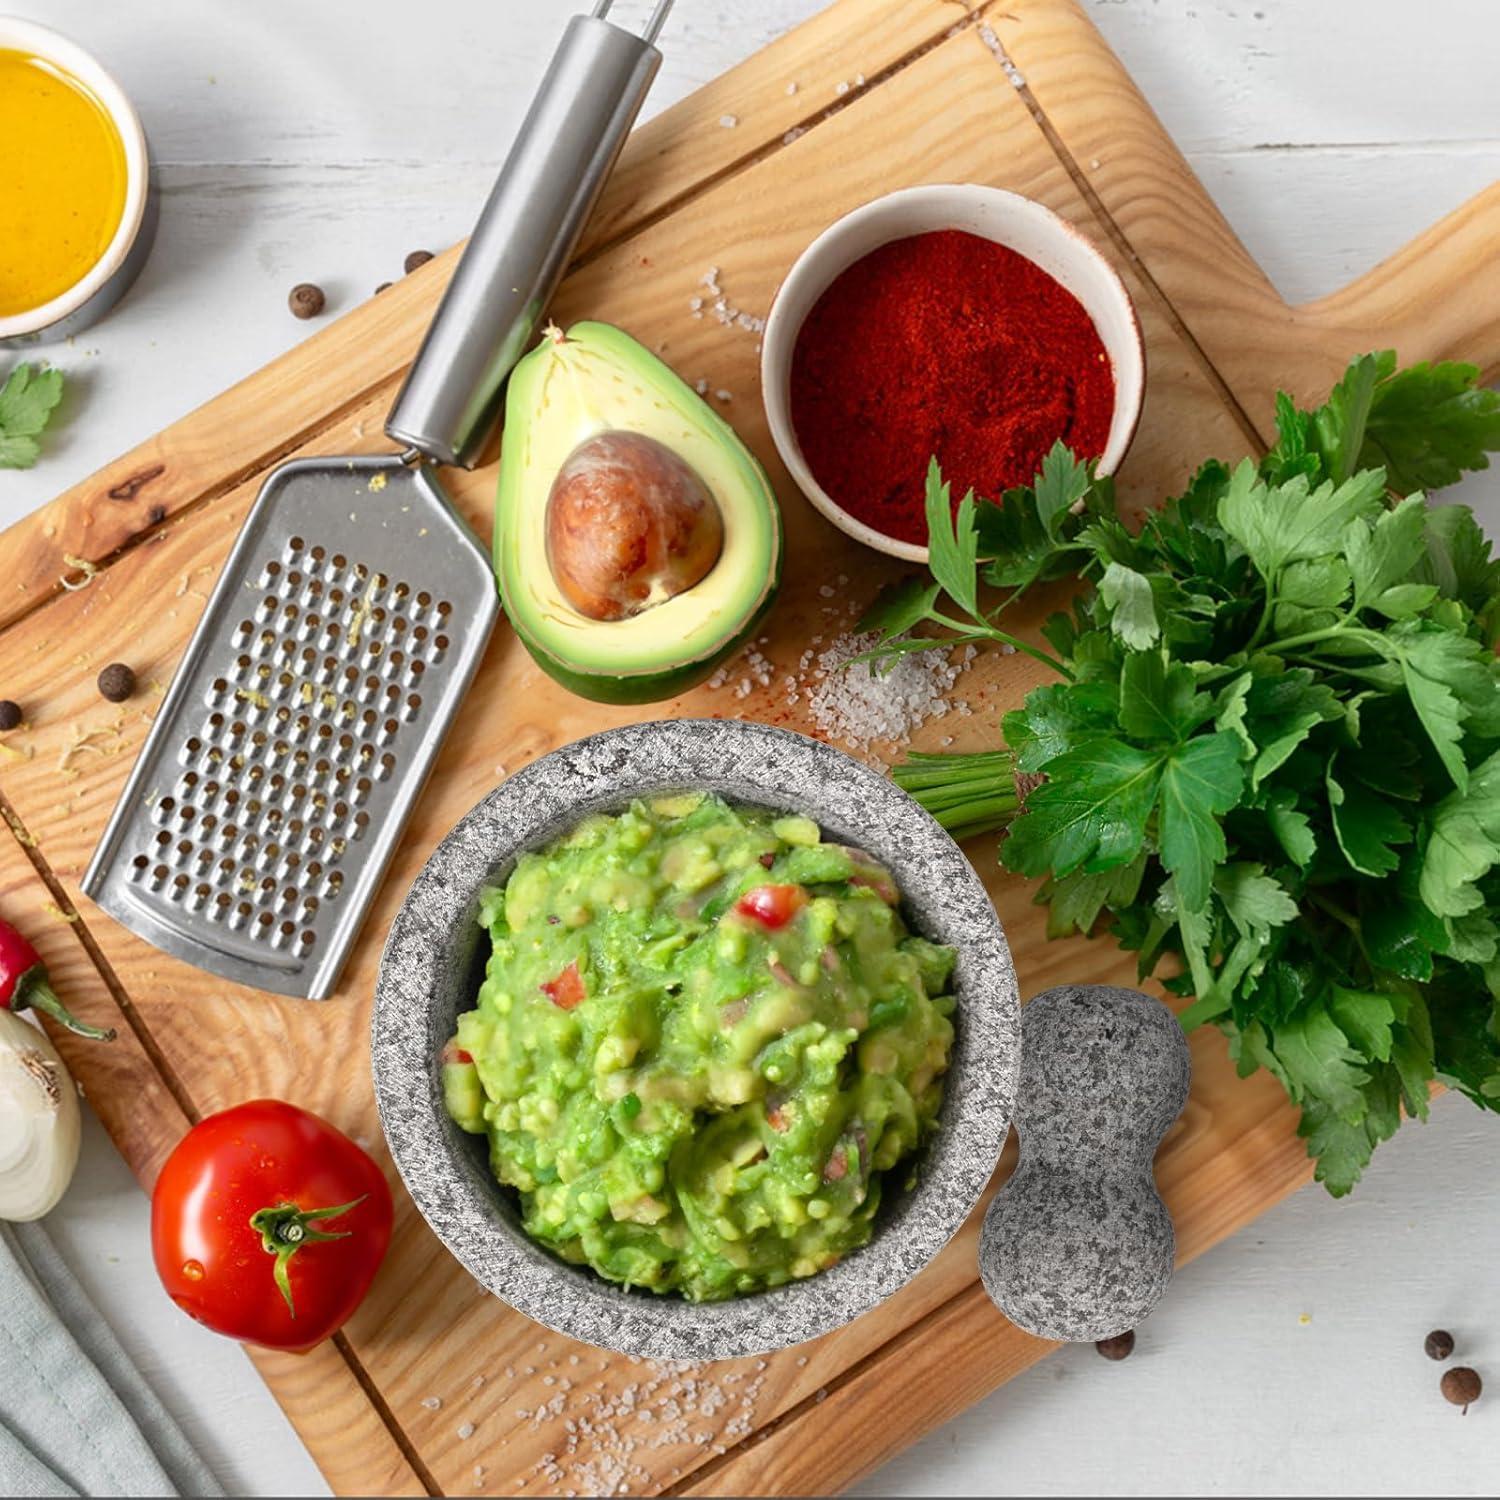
(62,181)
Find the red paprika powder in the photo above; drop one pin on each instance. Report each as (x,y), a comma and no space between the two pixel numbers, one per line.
(948,345)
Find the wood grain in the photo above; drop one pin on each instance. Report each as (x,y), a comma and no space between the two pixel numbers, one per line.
(459,1380)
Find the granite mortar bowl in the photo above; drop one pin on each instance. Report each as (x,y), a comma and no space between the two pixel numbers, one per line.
(434,962)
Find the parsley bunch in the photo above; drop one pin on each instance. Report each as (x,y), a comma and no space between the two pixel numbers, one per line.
(1273,753)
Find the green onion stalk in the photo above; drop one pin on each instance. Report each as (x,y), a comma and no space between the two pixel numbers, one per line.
(968,793)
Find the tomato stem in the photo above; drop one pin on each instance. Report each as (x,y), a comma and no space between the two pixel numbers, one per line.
(284,1229)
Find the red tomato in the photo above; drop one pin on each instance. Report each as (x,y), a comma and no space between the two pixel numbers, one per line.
(268,1225)
(772,906)
(566,990)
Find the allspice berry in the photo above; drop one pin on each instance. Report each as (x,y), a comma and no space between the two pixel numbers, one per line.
(10,714)
(1119,1347)
(382,287)
(116,682)
(1461,1386)
(306,300)
(415,259)
(1438,1344)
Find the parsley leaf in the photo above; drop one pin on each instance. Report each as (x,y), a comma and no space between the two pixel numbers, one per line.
(1057,717)
(1283,523)
(1283,705)
(1456,557)
(1339,425)
(1318,1062)
(1442,673)
(1089,814)
(1463,844)
(1291,827)
(1254,901)
(1200,780)
(27,401)
(1075,901)
(1160,701)
(1429,423)
(1380,556)
(1063,481)
(899,607)
(1365,825)
(1128,595)
(953,546)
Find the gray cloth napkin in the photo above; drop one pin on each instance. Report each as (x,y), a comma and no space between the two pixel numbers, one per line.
(76,1418)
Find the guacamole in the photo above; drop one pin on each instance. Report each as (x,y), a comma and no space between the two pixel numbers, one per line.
(704,1039)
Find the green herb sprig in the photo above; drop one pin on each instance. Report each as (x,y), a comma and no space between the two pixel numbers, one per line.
(1273,753)
(27,401)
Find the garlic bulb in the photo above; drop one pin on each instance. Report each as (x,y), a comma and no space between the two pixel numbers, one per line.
(39,1121)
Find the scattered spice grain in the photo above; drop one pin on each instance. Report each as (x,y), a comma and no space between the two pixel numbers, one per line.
(1121,1346)
(116,682)
(1461,1386)
(10,714)
(414,259)
(1438,1344)
(306,300)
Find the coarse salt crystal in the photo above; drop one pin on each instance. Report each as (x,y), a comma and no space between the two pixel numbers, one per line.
(851,702)
(722,395)
(791,89)
(842,89)
(466,1431)
(729,121)
(432,1402)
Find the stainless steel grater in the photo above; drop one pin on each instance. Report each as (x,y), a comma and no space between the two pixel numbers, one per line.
(356,604)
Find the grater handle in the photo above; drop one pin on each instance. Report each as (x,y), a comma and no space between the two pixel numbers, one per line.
(525,237)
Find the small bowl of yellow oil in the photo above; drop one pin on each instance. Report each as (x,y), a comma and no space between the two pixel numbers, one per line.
(77,205)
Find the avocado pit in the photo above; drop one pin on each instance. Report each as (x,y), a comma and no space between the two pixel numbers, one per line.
(629,525)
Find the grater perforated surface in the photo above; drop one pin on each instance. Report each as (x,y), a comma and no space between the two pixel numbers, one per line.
(301,725)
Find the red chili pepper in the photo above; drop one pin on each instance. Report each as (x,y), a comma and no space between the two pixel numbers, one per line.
(24,985)
(772,906)
(566,990)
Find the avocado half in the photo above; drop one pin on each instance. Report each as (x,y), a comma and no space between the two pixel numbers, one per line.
(573,386)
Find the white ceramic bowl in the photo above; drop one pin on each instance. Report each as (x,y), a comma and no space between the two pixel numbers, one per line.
(107,280)
(1006,218)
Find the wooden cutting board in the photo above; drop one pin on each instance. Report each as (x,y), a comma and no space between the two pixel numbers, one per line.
(435,1386)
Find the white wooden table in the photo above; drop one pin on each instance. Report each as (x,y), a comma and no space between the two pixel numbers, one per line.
(322,142)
